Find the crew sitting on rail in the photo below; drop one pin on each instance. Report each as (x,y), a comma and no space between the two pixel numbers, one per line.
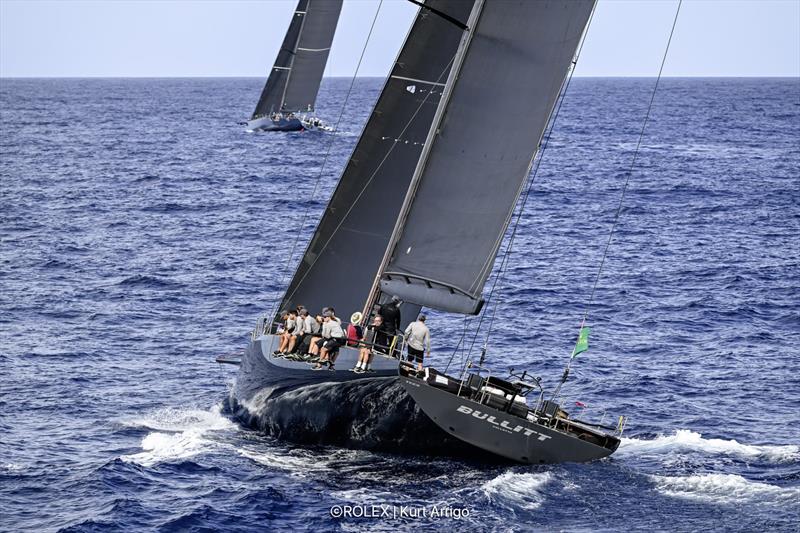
(333,338)
(313,347)
(310,328)
(354,329)
(367,342)
(318,341)
(290,322)
(299,331)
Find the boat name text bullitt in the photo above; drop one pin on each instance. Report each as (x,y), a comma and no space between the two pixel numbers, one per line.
(502,424)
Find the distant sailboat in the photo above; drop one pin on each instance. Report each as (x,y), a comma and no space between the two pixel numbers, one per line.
(287,101)
(422,207)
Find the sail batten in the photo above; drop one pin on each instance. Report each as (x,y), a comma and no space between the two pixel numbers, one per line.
(464,195)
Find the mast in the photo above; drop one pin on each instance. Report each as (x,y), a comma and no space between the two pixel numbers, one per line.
(339,265)
(294,51)
(469,178)
(437,119)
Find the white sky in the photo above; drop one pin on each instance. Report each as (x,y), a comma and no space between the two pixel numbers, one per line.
(241,37)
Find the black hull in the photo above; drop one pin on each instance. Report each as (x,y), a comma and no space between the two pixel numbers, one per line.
(289,401)
(263,376)
(500,432)
(267,124)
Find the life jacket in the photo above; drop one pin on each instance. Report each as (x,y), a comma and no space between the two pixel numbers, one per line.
(354,334)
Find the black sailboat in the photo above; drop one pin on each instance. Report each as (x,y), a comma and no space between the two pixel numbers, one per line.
(287,101)
(421,209)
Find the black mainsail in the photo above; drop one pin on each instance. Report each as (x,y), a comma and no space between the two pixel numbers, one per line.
(470,177)
(295,78)
(344,255)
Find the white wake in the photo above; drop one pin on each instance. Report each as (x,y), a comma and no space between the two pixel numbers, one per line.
(517,490)
(177,434)
(724,489)
(689,441)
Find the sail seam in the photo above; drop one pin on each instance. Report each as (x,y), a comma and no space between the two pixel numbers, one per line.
(439,84)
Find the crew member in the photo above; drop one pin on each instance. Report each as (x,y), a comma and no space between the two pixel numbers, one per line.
(418,340)
(390,313)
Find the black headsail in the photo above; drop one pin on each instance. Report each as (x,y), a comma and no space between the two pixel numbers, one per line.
(479,154)
(344,255)
(295,78)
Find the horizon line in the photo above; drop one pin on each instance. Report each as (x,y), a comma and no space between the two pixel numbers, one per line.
(148,77)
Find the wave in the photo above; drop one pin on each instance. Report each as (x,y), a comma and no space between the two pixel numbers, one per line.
(174,420)
(523,491)
(11,468)
(142,280)
(685,440)
(300,462)
(177,434)
(724,489)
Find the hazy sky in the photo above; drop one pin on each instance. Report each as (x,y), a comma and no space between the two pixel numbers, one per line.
(241,38)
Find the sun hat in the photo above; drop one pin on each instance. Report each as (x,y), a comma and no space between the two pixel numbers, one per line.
(356,317)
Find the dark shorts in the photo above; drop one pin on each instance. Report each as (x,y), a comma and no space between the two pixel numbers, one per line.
(319,343)
(333,345)
(415,355)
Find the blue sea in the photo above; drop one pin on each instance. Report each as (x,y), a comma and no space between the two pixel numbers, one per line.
(143,231)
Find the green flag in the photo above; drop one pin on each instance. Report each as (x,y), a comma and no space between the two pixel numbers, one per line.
(583,342)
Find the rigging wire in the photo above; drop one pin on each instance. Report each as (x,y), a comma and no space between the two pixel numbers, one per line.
(318,179)
(377,169)
(531,179)
(624,189)
(458,345)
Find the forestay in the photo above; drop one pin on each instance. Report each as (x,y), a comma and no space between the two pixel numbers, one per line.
(344,255)
(463,195)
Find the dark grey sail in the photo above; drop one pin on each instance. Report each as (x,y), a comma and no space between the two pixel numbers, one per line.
(272,95)
(296,76)
(480,152)
(344,255)
(311,54)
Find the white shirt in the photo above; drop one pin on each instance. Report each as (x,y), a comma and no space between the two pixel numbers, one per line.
(418,336)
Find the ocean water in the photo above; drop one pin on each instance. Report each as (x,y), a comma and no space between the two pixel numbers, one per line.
(143,231)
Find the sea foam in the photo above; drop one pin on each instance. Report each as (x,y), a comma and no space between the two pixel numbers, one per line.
(724,489)
(689,441)
(522,491)
(178,434)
